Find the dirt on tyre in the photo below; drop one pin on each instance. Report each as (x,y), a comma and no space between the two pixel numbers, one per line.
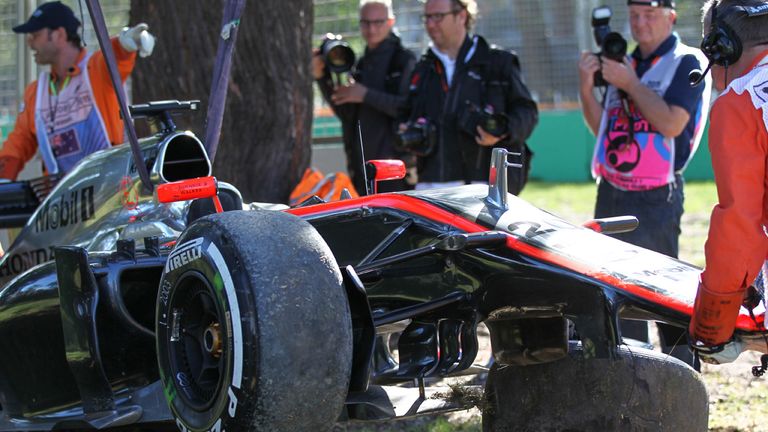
(640,391)
(253,326)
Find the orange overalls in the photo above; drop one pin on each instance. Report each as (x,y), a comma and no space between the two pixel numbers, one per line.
(737,245)
(21,144)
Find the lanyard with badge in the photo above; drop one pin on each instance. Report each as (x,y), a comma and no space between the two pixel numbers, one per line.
(55,92)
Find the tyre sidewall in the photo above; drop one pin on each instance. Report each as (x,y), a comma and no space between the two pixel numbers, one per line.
(203,250)
(639,390)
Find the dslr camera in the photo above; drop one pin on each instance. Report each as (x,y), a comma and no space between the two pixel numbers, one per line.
(472,116)
(612,44)
(337,54)
(419,138)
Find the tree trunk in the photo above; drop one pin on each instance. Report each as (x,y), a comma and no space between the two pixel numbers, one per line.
(266,133)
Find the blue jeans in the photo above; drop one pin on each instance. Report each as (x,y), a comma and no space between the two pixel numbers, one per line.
(658,210)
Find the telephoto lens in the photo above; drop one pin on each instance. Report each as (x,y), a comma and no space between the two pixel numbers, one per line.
(337,54)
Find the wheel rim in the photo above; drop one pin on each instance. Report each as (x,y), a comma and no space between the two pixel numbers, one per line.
(196,344)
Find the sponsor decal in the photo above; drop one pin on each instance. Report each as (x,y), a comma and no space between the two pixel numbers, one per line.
(20,262)
(233,327)
(757,10)
(129,195)
(70,208)
(761,92)
(182,379)
(232,407)
(169,390)
(233,317)
(644,268)
(618,121)
(165,290)
(622,155)
(528,229)
(184,254)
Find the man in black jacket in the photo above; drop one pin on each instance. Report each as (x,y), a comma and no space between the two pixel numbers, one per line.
(376,92)
(459,79)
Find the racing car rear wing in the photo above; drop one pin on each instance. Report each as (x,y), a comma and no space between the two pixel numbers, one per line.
(158,113)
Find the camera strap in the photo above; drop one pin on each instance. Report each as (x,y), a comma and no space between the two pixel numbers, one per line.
(395,68)
(627,108)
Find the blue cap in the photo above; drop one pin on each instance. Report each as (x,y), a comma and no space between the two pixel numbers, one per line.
(50,15)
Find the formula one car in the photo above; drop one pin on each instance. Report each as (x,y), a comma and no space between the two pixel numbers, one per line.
(124,307)
(142,294)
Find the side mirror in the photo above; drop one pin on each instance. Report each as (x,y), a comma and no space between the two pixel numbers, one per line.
(185,190)
(382,170)
(612,225)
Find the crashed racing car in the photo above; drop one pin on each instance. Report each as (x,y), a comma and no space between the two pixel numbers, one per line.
(141,293)
(185,307)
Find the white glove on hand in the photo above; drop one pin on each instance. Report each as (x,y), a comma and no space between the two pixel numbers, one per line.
(137,38)
(724,354)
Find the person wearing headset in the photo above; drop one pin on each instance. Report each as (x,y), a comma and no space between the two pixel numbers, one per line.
(736,44)
(648,128)
(71,110)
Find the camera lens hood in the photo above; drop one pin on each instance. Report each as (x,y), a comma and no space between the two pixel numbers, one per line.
(337,54)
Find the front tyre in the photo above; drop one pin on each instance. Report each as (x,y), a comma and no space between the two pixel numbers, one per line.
(253,326)
(641,390)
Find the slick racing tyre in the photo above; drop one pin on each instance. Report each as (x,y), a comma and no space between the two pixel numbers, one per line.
(253,326)
(642,390)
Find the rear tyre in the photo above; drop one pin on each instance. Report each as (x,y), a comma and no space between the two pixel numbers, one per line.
(253,326)
(641,391)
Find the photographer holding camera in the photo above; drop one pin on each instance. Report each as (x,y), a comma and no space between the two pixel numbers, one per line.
(380,81)
(648,128)
(465,98)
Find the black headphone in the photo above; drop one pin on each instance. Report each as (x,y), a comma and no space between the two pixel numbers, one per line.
(721,45)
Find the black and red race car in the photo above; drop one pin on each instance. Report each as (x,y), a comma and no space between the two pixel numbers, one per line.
(141,294)
(123,307)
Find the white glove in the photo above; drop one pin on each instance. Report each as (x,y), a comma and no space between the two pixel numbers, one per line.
(726,353)
(137,38)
